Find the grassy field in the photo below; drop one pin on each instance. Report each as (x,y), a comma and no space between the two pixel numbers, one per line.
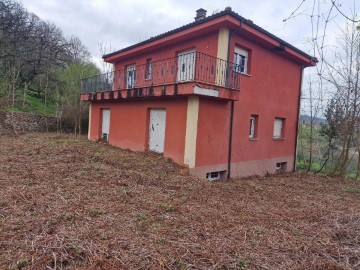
(74,204)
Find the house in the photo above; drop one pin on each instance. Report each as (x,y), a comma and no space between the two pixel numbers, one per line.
(220,95)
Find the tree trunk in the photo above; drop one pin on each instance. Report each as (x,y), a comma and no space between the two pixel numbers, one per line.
(24,96)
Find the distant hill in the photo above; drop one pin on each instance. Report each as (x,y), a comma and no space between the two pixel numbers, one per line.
(306,120)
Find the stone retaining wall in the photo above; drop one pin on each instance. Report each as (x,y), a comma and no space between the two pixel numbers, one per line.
(27,121)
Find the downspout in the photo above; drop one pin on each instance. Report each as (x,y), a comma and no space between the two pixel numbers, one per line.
(230,137)
(231,117)
(297,119)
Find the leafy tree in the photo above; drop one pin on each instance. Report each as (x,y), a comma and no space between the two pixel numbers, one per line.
(37,60)
(72,109)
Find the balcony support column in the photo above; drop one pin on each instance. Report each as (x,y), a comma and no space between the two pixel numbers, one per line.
(222,55)
(191,131)
(89,126)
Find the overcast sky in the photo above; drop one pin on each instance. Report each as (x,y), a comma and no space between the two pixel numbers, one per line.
(120,23)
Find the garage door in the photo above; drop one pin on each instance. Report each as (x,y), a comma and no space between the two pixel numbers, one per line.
(105,124)
(157,130)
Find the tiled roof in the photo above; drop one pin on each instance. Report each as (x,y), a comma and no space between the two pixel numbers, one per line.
(209,18)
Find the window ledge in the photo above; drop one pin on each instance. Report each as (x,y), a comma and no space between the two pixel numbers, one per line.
(253,139)
(246,74)
(279,139)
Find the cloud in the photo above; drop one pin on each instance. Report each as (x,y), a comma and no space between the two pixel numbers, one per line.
(125,22)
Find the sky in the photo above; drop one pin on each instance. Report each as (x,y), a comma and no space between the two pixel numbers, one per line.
(119,23)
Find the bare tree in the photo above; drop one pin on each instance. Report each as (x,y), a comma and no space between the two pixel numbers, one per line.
(343,74)
(326,83)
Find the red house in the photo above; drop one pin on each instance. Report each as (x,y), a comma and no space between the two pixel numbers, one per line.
(220,95)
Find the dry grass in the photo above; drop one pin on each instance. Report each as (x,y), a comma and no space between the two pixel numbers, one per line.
(73,204)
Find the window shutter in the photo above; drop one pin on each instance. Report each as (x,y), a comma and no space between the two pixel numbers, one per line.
(278,127)
(252,127)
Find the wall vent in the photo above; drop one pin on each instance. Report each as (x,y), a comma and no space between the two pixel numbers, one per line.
(213,176)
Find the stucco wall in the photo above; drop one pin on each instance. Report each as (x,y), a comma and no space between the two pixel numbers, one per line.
(129,124)
(271,90)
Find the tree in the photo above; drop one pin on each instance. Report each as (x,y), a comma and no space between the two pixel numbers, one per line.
(74,111)
(335,79)
(36,58)
(343,111)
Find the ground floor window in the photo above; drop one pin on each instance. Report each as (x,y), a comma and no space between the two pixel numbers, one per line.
(281,166)
(253,126)
(279,126)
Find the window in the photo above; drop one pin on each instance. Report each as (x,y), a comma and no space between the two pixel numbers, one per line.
(213,176)
(279,125)
(281,166)
(253,126)
(130,76)
(241,57)
(148,69)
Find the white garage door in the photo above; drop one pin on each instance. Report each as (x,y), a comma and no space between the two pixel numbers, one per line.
(105,124)
(157,130)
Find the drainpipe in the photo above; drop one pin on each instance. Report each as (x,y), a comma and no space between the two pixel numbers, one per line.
(298,116)
(230,137)
(231,117)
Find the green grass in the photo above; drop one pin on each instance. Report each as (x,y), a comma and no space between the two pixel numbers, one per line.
(350,190)
(34,105)
(302,166)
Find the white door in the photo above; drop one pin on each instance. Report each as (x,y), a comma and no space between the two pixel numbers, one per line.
(186,66)
(105,124)
(157,130)
(130,77)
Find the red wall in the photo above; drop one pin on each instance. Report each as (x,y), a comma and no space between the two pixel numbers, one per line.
(129,123)
(271,90)
(212,142)
(203,43)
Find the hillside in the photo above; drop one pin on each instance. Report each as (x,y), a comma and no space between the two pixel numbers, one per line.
(74,204)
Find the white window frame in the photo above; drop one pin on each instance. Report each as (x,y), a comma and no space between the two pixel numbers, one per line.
(130,76)
(253,120)
(278,128)
(241,60)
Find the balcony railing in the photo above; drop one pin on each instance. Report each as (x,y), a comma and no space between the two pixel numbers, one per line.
(189,67)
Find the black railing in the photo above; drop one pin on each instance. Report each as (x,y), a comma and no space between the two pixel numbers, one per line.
(187,67)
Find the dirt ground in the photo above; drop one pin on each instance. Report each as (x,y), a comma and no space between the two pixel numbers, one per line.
(74,204)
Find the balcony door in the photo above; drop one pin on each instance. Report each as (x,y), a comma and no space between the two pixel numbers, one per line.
(130,76)
(186,66)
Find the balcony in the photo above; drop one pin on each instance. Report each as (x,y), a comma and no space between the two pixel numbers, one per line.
(191,73)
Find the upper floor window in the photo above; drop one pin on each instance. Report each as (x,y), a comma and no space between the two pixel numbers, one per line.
(148,69)
(279,126)
(241,57)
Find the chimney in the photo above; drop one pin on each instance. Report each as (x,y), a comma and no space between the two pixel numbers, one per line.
(200,14)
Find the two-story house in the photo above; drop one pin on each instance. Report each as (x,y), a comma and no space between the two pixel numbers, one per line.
(220,95)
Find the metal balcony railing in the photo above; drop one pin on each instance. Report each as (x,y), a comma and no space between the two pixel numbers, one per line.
(188,67)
